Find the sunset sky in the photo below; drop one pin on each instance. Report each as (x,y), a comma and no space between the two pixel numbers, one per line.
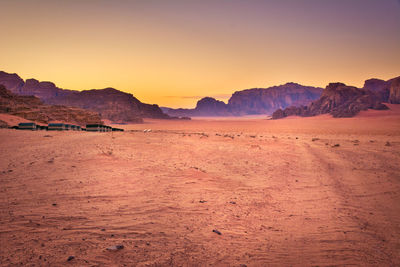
(172,52)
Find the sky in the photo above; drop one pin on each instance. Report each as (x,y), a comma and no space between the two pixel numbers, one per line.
(174,52)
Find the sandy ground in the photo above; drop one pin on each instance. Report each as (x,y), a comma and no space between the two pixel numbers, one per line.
(279,192)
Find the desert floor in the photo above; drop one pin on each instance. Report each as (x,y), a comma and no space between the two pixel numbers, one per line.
(296,191)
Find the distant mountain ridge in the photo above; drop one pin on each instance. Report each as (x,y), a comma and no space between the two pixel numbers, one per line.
(341,100)
(253,101)
(110,103)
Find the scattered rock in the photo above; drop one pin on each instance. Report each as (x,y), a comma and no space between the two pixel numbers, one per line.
(115,248)
(70,258)
(217,232)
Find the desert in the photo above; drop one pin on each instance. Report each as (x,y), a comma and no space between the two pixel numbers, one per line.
(199,133)
(297,191)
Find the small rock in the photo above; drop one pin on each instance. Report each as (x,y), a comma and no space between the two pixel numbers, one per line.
(203,201)
(315,139)
(387,144)
(217,232)
(336,145)
(54,204)
(115,248)
(103,230)
(232,202)
(70,258)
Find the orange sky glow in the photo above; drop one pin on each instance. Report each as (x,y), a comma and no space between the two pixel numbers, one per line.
(172,53)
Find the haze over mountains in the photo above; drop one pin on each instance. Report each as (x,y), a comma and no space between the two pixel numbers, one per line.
(280,101)
(253,101)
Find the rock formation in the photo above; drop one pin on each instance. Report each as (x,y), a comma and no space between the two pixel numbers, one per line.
(32,108)
(206,107)
(253,101)
(394,96)
(340,100)
(112,104)
(266,101)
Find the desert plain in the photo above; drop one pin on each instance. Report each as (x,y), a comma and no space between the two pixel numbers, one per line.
(315,191)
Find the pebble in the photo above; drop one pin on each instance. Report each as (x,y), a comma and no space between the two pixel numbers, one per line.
(115,248)
(217,232)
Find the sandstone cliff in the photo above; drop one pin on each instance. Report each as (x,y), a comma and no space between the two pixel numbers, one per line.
(266,101)
(340,100)
(112,104)
(32,108)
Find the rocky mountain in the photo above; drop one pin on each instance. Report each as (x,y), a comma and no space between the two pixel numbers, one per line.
(394,91)
(32,108)
(206,107)
(341,100)
(253,101)
(110,103)
(266,101)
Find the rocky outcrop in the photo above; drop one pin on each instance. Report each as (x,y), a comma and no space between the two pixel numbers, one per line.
(32,108)
(380,87)
(338,100)
(394,96)
(112,104)
(206,107)
(266,101)
(12,82)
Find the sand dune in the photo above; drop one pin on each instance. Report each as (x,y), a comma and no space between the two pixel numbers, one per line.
(280,192)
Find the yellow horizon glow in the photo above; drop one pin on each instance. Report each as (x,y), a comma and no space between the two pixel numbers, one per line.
(173,58)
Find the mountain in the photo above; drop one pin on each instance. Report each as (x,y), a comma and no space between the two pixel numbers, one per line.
(32,108)
(112,104)
(206,107)
(266,101)
(341,100)
(253,101)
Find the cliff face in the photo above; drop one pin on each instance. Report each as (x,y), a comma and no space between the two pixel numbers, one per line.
(11,81)
(253,101)
(394,96)
(32,108)
(112,104)
(340,100)
(266,101)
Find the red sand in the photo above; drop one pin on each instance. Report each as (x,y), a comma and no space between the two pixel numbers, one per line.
(277,196)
